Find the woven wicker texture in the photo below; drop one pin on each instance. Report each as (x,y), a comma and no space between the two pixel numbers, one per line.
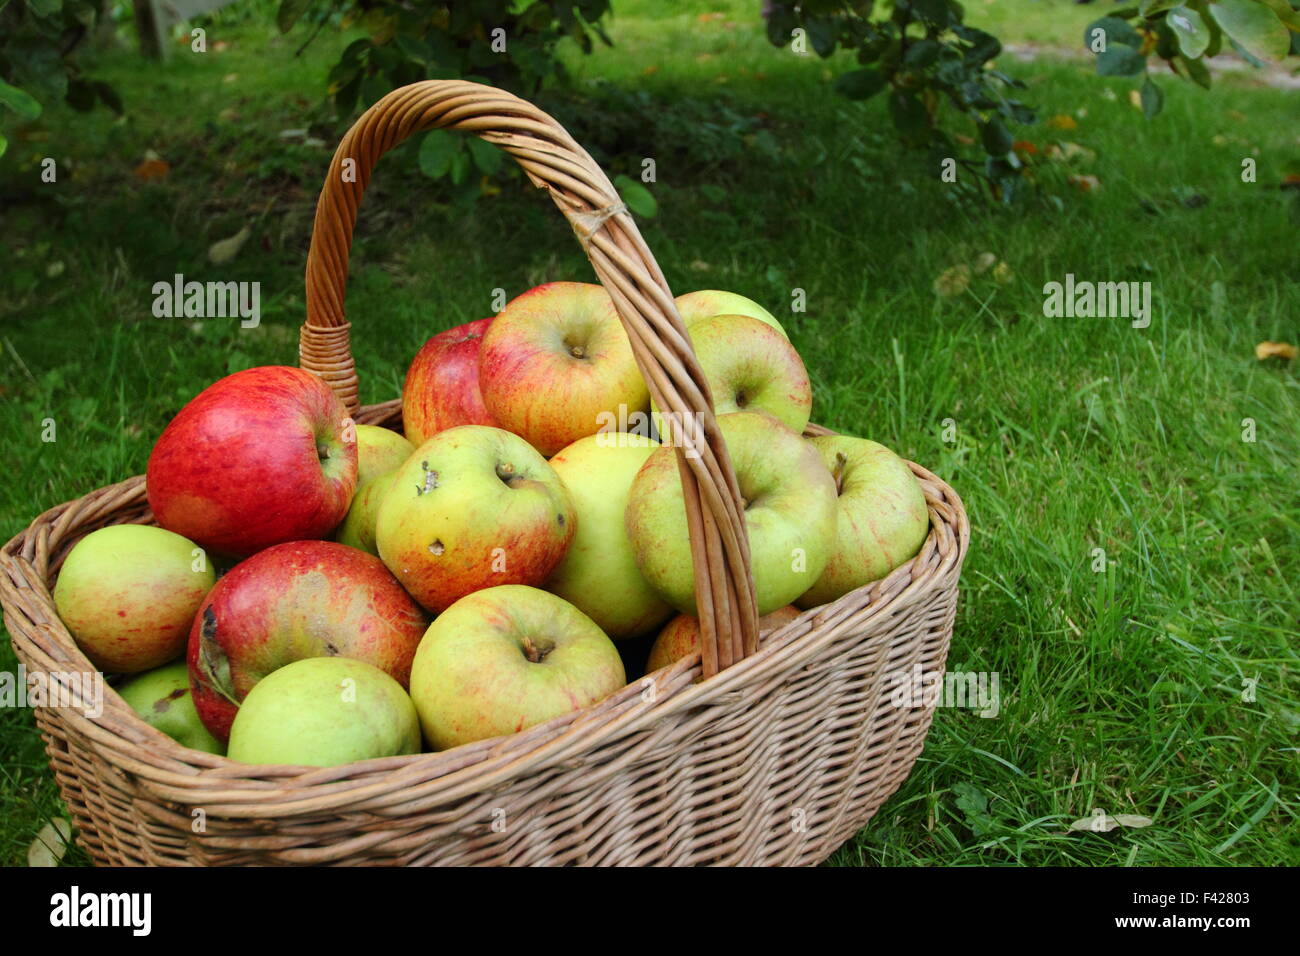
(776,759)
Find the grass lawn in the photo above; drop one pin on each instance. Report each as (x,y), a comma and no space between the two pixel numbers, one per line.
(1166,685)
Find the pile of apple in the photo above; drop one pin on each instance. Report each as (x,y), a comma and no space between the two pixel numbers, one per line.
(510,560)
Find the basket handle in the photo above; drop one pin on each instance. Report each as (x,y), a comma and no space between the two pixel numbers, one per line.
(724,585)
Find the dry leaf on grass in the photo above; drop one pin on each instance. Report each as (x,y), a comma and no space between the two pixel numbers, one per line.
(1267,350)
(1102,822)
(952,281)
(1061,121)
(151,170)
(50,844)
(223,250)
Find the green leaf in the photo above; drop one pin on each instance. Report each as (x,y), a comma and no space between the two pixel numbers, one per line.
(1115,32)
(437,150)
(1254,26)
(908,113)
(861,84)
(289,13)
(636,196)
(486,156)
(20,101)
(1285,13)
(1198,71)
(1153,100)
(1150,8)
(821,33)
(922,53)
(1193,35)
(108,96)
(459,166)
(996,138)
(4,144)
(1120,61)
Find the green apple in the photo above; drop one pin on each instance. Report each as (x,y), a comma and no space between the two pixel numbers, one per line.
(162,699)
(506,658)
(128,594)
(751,367)
(358,528)
(789,497)
(706,303)
(599,575)
(379,451)
(882,516)
(475,506)
(323,712)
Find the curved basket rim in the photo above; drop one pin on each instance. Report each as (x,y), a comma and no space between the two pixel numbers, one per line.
(182,775)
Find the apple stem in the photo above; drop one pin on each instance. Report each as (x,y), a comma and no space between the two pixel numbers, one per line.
(841,460)
(577,351)
(532,651)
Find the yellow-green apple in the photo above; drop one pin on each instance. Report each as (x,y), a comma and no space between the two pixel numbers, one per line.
(257,458)
(163,700)
(474,506)
(358,528)
(293,601)
(379,451)
(883,518)
(789,498)
(324,712)
(706,303)
(505,658)
(681,636)
(441,389)
(751,367)
(599,575)
(128,593)
(556,363)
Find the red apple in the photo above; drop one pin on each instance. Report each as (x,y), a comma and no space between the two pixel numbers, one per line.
(441,389)
(681,636)
(290,602)
(557,363)
(475,506)
(257,458)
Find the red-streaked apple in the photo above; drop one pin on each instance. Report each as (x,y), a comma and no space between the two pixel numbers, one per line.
(506,658)
(256,459)
(441,389)
(790,506)
(358,528)
(473,507)
(751,367)
(706,303)
(163,700)
(599,575)
(681,636)
(293,601)
(128,592)
(556,363)
(379,451)
(324,712)
(883,518)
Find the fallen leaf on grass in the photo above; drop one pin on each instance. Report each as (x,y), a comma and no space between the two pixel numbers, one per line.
(953,281)
(1061,121)
(1102,822)
(1085,184)
(984,262)
(223,250)
(1002,273)
(1135,99)
(50,843)
(152,170)
(1267,350)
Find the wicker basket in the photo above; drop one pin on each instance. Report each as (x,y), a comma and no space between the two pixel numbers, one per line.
(786,749)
